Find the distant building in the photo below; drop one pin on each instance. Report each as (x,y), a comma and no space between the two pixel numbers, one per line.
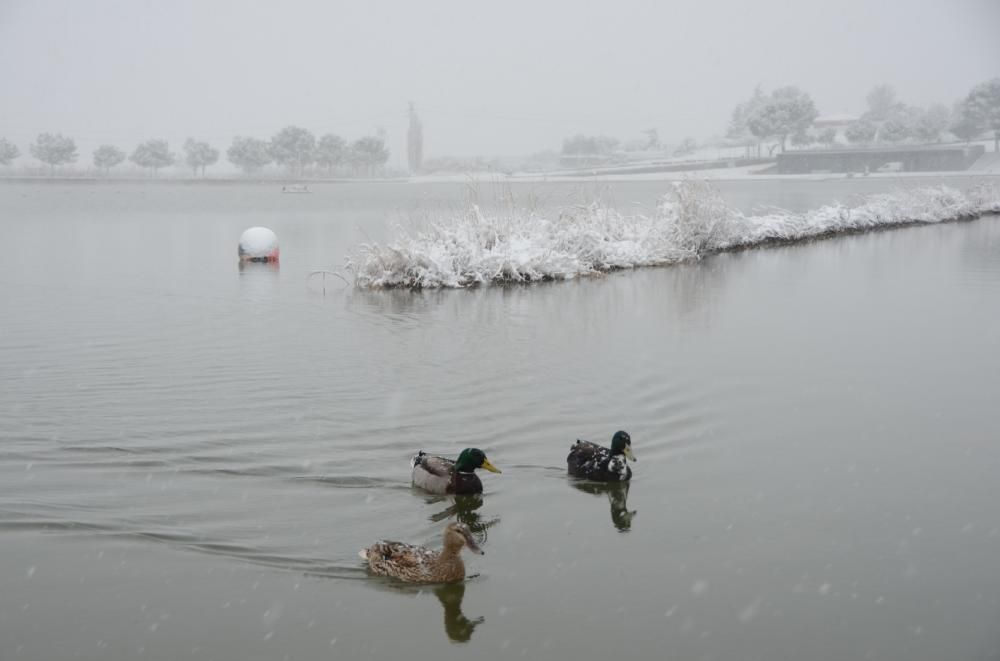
(838,123)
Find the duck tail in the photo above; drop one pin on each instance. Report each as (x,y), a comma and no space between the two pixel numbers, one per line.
(363,554)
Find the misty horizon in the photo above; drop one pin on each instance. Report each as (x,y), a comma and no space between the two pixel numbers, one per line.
(502,80)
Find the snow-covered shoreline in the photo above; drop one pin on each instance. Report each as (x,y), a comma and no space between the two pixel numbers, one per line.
(721,174)
(692,221)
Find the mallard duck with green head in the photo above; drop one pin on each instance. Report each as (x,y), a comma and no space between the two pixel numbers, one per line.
(444,476)
(418,564)
(594,462)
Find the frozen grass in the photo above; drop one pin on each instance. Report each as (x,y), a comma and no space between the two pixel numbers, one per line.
(692,221)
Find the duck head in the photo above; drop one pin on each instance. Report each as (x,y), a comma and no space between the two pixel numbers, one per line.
(473,458)
(457,535)
(621,443)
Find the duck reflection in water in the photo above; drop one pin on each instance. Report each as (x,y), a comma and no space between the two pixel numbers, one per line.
(463,508)
(617,493)
(458,627)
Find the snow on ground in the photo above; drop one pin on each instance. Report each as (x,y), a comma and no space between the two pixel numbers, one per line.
(520,245)
(744,173)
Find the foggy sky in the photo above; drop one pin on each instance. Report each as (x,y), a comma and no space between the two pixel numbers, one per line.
(488,78)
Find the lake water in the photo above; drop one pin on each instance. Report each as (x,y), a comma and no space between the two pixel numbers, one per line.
(193,453)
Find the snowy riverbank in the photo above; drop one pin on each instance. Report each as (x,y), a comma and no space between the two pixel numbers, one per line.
(518,245)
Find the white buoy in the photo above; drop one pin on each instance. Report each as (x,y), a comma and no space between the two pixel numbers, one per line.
(259,244)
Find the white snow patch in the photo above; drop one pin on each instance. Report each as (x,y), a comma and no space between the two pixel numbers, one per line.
(692,221)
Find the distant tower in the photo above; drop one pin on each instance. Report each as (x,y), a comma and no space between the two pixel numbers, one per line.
(414,141)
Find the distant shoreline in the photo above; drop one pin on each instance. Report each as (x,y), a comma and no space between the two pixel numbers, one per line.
(720,175)
(38,179)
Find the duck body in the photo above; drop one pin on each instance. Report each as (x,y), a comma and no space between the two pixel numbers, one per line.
(442,476)
(594,462)
(417,564)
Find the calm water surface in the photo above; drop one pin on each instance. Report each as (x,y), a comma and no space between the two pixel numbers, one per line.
(192,453)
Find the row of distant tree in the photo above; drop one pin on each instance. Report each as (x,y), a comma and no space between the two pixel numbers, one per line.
(788,113)
(294,148)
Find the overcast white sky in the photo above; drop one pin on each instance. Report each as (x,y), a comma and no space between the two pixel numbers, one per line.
(488,78)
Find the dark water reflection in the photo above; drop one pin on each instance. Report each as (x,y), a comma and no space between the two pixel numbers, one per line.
(617,494)
(465,509)
(457,626)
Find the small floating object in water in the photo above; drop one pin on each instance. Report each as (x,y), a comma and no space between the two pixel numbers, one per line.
(295,188)
(258,244)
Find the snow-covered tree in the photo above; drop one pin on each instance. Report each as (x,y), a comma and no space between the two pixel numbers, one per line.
(199,155)
(585,145)
(153,154)
(738,129)
(827,137)
(881,103)
(983,104)
(370,153)
(107,157)
(54,149)
(652,139)
(802,138)
(294,147)
(894,129)
(861,131)
(249,154)
(788,110)
(931,123)
(331,151)
(963,125)
(687,146)
(415,142)
(8,151)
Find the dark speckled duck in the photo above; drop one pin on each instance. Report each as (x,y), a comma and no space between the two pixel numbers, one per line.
(443,476)
(593,462)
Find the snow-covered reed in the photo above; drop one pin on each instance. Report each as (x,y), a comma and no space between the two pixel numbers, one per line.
(691,221)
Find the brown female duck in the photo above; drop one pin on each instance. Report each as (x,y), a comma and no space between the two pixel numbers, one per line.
(416,564)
